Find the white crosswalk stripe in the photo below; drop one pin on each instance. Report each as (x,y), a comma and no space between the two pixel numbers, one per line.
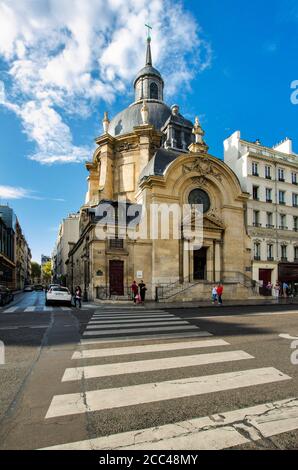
(108,335)
(96,400)
(120,331)
(269,419)
(10,310)
(94,325)
(90,353)
(106,370)
(141,338)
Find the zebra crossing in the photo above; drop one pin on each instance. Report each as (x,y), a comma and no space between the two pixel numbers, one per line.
(43,308)
(104,338)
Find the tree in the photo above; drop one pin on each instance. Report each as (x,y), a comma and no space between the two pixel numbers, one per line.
(47,272)
(35,271)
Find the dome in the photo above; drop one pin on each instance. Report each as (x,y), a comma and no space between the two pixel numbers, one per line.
(130,117)
(148,71)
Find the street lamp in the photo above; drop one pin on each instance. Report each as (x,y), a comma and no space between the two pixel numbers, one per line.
(85,258)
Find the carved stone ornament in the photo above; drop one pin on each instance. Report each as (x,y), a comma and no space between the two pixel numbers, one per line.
(202,166)
(126,146)
(199,180)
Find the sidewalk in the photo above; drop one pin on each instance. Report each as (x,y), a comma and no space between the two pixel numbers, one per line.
(151,305)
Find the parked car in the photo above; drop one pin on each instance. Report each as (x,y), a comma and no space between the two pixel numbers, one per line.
(6,295)
(38,287)
(28,289)
(58,294)
(51,286)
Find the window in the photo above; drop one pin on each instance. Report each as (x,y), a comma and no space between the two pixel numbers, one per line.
(116,243)
(295,224)
(153,91)
(268,195)
(281,174)
(283,220)
(270,252)
(284,256)
(268,172)
(282,197)
(257,251)
(295,200)
(256,218)
(255,169)
(294,178)
(270,220)
(255,193)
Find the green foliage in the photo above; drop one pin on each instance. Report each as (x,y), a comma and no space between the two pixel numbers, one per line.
(47,271)
(36,270)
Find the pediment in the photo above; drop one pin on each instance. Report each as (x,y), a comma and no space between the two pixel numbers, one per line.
(213,223)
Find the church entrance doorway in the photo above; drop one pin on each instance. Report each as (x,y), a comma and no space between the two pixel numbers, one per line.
(116,277)
(200,264)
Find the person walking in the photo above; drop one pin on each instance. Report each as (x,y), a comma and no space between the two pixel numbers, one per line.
(219,291)
(134,290)
(214,294)
(285,288)
(143,288)
(78,297)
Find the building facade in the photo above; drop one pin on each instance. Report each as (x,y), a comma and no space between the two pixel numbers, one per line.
(68,235)
(149,156)
(14,251)
(270,176)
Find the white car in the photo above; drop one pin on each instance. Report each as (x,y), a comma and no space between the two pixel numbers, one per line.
(58,294)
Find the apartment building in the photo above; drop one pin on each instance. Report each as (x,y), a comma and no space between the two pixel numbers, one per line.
(270,176)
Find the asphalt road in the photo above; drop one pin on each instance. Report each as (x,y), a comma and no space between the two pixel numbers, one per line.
(117,377)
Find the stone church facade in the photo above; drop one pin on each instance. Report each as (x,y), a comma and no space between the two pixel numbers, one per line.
(150,154)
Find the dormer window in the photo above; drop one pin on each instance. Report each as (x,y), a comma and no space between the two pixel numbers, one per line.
(153,91)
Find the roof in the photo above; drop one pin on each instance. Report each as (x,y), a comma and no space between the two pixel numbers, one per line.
(159,163)
(148,70)
(130,117)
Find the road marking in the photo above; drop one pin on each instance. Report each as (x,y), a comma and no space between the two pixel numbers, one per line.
(112,339)
(10,327)
(30,309)
(134,367)
(110,352)
(48,309)
(214,432)
(144,321)
(65,309)
(286,336)
(97,400)
(104,332)
(261,314)
(11,310)
(104,326)
(133,315)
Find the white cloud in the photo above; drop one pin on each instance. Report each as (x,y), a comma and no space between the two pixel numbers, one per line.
(9,192)
(64,56)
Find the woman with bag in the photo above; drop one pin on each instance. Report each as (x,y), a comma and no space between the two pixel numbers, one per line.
(78,297)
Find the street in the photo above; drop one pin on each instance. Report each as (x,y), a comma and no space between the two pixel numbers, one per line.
(125,377)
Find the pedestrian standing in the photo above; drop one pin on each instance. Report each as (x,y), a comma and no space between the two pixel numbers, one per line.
(214,294)
(269,288)
(276,290)
(134,290)
(142,288)
(78,297)
(219,291)
(285,289)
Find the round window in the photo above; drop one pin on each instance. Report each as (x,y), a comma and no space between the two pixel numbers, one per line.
(198,196)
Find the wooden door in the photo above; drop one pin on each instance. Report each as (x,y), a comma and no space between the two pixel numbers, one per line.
(116,277)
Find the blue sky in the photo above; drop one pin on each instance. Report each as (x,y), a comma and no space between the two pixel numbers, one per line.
(63,63)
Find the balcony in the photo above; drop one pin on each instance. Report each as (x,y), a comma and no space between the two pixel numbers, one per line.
(282,203)
(257,224)
(295,204)
(295,229)
(256,198)
(270,226)
(270,258)
(255,174)
(283,227)
(257,258)
(269,201)
(282,180)
(268,177)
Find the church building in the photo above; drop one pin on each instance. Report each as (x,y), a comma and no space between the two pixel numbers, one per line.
(149,154)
